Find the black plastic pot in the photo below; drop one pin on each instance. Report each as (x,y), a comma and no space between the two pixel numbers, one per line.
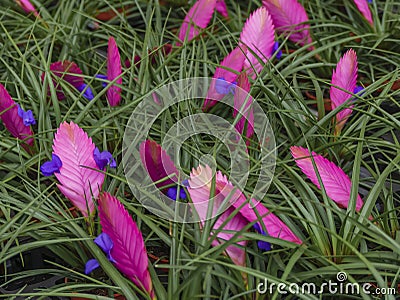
(34,259)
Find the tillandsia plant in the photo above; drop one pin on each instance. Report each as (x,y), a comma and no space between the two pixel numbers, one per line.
(72,74)
(28,7)
(344,80)
(335,182)
(363,7)
(290,18)
(199,187)
(122,241)
(17,121)
(257,39)
(76,163)
(73,226)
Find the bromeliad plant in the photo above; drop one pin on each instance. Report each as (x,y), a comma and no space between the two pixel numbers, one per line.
(123,243)
(344,84)
(28,7)
(257,43)
(72,74)
(335,182)
(17,121)
(78,164)
(160,168)
(290,18)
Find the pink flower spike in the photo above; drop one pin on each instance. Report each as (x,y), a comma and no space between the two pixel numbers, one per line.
(363,7)
(158,163)
(114,71)
(68,71)
(288,16)
(344,80)
(80,178)
(199,190)
(242,95)
(274,226)
(13,121)
(221,8)
(258,35)
(27,6)
(336,183)
(128,251)
(229,67)
(198,16)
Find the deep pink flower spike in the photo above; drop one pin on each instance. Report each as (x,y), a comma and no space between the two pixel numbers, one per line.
(258,35)
(12,121)
(221,8)
(128,249)
(336,183)
(80,178)
(114,70)
(363,7)
(288,16)
(199,190)
(228,71)
(200,186)
(198,17)
(158,163)
(250,210)
(344,80)
(242,96)
(28,7)
(69,72)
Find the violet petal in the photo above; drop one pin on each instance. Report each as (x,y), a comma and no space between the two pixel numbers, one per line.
(357,89)
(52,166)
(266,246)
(88,94)
(275,49)
(104,242)
(103,159)
(101,76)
(224,87)
(91,265)
(173,192)
(27,116)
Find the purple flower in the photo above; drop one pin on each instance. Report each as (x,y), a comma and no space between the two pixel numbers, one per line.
(91,265)
(103,159)
(261,244)
(104,77)
(52,166)
(106,244)
(224,87)
(88,94)
(173,193)
(275,49)
(357,89)
(27,116)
